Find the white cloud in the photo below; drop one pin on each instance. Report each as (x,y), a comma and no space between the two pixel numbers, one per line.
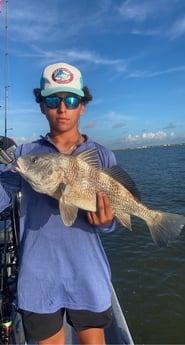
(55,20)
(23,140)
(148,138)
(178,28)
(158,135)
(134,10)
(150,74)
(82,56)
(161,16)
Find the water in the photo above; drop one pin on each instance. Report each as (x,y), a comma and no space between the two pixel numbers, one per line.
(150,281)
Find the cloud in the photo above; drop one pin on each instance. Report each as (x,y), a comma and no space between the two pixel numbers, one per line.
(170,126)
(112,116)
(118,125)
(178,28)
(148,74)
(97,16)
(153,136)
(137,11)
(147,138)
(26,15)
(56,20)
(72,55)
(140,11)
(23,140)
(95,58)
(90,125)
(156,31)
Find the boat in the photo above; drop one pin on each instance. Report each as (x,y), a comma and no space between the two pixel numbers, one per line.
(11,329)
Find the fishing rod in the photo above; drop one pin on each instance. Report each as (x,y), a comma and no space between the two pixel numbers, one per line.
(6,56)
(9,236)
(6,69)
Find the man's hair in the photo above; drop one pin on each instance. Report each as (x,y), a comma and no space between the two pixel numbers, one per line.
(86,99)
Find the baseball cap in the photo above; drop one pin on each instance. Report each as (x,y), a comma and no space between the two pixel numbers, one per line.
(61,77)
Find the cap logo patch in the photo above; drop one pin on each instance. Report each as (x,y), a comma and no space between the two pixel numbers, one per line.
(62,76)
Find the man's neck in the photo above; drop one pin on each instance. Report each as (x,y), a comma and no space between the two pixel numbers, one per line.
(67,143)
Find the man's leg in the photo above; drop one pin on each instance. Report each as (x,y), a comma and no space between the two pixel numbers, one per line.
(91,336)
(89,326)
(56,339)
(43,328)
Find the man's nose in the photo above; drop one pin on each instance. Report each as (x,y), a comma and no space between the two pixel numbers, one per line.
(61,106)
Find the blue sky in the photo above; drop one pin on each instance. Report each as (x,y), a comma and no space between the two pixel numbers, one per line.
(132,57)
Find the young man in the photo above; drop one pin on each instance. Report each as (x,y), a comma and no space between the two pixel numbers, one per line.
(62,269)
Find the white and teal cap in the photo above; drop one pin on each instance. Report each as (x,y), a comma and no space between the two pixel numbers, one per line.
(61,77)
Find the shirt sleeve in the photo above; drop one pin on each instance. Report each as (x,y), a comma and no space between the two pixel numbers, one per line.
(9,185)
(108,227)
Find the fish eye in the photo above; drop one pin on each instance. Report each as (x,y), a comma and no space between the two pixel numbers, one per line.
(34,159)
(50,171)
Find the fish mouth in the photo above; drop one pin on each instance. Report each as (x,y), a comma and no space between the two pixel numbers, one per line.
(18,167)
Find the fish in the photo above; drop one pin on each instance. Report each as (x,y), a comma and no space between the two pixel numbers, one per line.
(74,181)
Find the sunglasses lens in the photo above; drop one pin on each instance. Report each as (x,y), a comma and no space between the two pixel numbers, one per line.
(52,102)
(71,102)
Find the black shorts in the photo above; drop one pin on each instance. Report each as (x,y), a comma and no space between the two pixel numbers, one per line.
(38,327)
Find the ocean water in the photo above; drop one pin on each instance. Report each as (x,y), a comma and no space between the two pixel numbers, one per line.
(150,281)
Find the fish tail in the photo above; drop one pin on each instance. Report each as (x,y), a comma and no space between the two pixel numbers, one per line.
(165,227)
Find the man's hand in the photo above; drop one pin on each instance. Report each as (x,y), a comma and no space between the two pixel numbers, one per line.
(103,215)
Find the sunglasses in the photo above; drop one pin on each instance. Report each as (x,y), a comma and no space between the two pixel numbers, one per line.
(71,102)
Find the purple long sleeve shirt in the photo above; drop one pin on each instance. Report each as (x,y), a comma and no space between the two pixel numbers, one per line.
(60,267)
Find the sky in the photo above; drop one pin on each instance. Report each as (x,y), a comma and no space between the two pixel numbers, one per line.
(131,54)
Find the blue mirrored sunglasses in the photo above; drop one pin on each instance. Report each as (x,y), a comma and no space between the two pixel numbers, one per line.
(71,102)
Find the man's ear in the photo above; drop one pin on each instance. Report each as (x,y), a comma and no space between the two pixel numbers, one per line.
(42,108)
(82,109)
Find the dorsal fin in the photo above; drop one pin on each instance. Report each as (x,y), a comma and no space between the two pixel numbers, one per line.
(90,156)
(122,177)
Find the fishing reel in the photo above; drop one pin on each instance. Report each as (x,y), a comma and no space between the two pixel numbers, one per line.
(7,147)
(9,228)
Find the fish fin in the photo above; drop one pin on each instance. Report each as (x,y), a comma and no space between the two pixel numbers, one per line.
(85,204)
(125,220)
(90,156)
(68,212)
(74,197)
(123,178)
(165,227)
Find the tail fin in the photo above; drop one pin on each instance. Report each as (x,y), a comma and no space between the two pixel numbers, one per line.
(165,227)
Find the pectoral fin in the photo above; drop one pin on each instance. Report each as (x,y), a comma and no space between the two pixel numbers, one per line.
(68,212)
(73,196)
